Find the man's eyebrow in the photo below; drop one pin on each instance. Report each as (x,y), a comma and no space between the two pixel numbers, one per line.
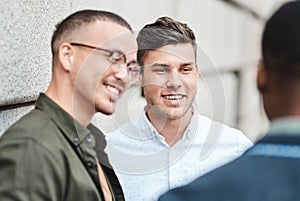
(159,65)
(187,64)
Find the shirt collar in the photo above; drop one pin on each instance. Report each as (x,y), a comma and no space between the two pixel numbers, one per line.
(71,128)
(188,134)
(147,125)
(193,125)
(285,125)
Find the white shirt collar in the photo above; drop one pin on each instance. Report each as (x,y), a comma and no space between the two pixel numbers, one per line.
(193,125)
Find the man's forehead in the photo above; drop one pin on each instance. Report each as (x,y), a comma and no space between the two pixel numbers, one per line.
(108,34)
(182,53)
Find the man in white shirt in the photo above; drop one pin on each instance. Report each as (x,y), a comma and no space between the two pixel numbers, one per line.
(170,144)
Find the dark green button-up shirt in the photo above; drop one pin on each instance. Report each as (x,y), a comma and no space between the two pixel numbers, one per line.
(44,156)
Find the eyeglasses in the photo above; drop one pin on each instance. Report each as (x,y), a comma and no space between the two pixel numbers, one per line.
(118,59)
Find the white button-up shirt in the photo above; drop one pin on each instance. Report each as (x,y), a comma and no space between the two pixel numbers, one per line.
(147,166)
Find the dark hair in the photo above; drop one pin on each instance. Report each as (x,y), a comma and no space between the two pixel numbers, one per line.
(164,31)
(78,20)
(281,42)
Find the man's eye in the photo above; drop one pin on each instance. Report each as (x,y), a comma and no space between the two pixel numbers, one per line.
(117,57)
(160,70)
(134,67)
(186,69)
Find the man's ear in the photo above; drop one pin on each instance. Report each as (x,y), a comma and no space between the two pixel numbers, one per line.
(66,56)
(262,76)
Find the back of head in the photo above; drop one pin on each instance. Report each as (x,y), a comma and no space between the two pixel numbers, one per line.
(279,77)
(66,30)
(164,31)
(281,43)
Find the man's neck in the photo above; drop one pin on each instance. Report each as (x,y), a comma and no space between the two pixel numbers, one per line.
(171,129)
(67,101)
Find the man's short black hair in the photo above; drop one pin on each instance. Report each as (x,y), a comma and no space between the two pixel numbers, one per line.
(78,20)
(281,41)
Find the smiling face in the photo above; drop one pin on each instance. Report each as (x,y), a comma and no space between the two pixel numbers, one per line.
(99,83)
(170,80)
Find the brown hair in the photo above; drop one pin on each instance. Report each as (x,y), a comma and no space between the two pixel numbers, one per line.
(164,31)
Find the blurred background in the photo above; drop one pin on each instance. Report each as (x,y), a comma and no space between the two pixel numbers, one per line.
(228,36)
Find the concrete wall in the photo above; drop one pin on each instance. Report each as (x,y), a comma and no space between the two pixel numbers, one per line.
(228,39)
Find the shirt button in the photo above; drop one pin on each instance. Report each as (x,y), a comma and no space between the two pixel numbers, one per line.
(90,141)
(76,139)
(89,164)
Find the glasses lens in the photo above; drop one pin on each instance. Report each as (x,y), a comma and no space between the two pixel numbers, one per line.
(119,60)
(117,57)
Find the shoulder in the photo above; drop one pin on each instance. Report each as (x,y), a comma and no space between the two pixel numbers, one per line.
(211,124)
(223,132)
(26,154)
(35,133)
(27,126)
(31,145)
(27,139)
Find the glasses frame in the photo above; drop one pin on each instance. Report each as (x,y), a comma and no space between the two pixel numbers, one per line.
(114,56)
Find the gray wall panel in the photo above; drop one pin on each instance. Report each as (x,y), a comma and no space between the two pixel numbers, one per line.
(25,54)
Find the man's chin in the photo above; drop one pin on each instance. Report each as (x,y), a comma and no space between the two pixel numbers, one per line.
(167,113)
(174,117)
(106,111)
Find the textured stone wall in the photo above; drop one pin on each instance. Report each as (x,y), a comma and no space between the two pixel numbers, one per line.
(25,66)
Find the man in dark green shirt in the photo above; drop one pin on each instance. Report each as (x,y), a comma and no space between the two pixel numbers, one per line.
(53,153)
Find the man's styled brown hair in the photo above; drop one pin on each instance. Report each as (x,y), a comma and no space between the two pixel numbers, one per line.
(164,31)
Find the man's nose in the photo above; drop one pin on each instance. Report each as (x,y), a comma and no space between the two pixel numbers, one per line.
(174,80)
